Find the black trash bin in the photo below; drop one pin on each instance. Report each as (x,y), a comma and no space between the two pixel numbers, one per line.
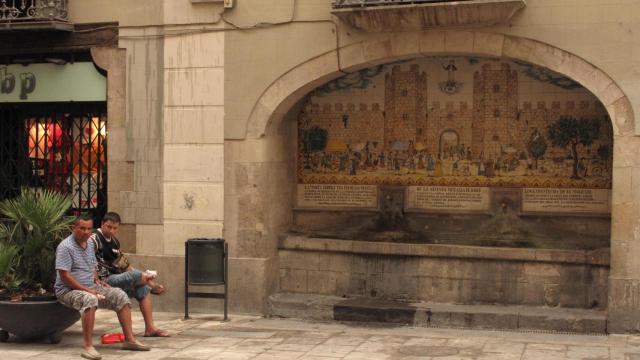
(205,265)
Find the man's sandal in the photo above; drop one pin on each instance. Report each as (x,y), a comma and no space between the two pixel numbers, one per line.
(158,333)
(91,354)
(135,346)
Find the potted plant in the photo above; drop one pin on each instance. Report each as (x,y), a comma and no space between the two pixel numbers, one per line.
(31,226)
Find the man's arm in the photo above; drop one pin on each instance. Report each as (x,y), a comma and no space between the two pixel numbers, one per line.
(97,280)
(73,284)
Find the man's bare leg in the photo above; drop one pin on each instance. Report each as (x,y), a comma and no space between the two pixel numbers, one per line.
(146,308)
(88,320)
(146,280)
(124,316)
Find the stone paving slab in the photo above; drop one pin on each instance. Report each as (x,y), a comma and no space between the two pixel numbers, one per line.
(247,337)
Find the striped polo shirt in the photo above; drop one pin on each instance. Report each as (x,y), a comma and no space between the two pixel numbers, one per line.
(79,262)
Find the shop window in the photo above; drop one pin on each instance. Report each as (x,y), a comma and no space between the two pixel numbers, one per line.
(58,150)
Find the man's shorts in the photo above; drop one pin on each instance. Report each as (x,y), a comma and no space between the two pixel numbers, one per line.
(114,299)
(129,281)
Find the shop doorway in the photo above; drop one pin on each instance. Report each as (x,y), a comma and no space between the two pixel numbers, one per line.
(57,146)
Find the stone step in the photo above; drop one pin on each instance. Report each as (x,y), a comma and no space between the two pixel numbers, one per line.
(496,317)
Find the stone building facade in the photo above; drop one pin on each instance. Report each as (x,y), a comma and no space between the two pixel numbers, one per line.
(203,103)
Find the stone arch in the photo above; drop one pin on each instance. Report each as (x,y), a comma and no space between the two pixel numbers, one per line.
(283,93)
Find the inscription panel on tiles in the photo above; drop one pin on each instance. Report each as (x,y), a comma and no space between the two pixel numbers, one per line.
(335,195)
(590,201)
(446,198)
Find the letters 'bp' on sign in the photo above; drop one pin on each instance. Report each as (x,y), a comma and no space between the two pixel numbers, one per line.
(52,83)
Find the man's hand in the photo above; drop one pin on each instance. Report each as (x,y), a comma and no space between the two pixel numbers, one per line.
(92,291)
(103,283)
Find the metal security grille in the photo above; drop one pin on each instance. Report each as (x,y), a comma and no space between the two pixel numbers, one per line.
(60,147)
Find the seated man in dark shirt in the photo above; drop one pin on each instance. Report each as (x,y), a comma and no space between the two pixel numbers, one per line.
(135,283)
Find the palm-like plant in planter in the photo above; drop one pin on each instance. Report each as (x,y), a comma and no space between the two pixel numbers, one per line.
(32,225)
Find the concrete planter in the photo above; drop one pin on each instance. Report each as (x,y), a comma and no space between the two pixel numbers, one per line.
(35,319)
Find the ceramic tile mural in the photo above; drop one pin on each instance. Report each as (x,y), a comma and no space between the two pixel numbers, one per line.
(455,122)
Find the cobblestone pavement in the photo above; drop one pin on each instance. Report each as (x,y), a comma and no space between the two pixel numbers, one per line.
(244,337)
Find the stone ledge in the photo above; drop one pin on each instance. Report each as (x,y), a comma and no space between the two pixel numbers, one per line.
(525,318)
(599,257)
(421,16)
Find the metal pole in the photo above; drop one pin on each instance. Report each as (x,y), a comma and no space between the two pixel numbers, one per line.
(186,280)
(226,279)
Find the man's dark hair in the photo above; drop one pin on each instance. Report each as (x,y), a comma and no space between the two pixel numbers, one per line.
(82,217)
(111,216)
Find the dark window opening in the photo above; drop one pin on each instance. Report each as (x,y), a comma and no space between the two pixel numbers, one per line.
(61,147)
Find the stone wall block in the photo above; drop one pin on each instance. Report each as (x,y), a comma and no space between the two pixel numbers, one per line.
(116,114)
(517,48)
(351,57)
(149,239)
(610,95)
(623,305)
(116,83)
(488,44)
(194,125)
(148,216)
(120,176)
(625,261)
(194,51)
(379,50)
(293,280)
(333,262)
(622,186)
(624,220)
(298,77)
(321,282)
(624,119)
(359,264)
(405,45)
(432,42)
(597,83)
(128,199)
(193,201)
(580,71)
(128,215)
(176,233)
(545,55)
(460,42)
(260,275)
(397,286)
(201,86)
(304,260)
(118,145)
(533,293)
(194,163)
(624,150)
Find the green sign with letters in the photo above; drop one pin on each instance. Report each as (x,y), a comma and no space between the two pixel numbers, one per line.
(79,81)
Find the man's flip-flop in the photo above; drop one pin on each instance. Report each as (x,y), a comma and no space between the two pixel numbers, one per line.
(91,354)
(158,290)
(158,333)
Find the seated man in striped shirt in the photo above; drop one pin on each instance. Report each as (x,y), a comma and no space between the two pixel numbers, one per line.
(78,287)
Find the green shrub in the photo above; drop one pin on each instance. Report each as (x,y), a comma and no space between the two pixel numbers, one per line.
(33,225)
